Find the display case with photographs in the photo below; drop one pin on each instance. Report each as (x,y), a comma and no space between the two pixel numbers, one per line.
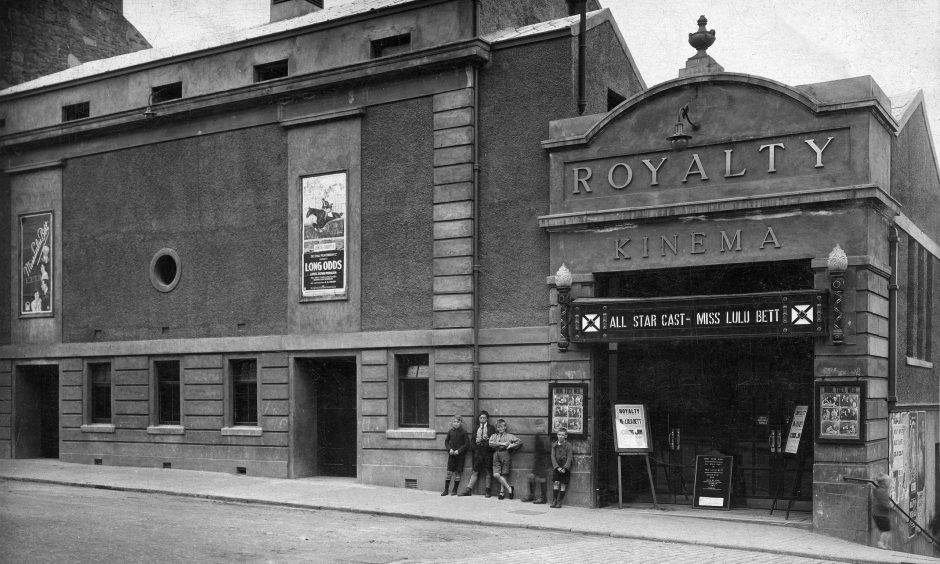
(841,411)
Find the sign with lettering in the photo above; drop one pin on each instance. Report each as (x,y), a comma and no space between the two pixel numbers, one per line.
(712,489)
(631,428)
(756,159)
(841,409)
(323,261)
(796,429)
(36,260)
(783,314)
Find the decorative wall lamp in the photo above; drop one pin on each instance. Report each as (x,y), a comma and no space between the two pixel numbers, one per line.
(837,264)
(563,285)
(149,111)
(679,138)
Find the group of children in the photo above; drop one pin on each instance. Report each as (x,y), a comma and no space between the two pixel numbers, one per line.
(491,449)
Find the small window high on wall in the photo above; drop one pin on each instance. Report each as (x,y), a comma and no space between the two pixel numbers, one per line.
(391,45)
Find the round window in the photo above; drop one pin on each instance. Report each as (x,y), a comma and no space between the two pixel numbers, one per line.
(165,270)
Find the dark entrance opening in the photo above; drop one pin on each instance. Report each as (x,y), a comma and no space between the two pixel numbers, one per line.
(36,412)
(323,429)
(720,396)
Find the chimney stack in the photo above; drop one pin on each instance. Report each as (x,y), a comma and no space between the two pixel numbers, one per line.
(284,9)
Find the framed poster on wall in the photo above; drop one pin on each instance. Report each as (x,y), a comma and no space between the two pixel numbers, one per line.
(566,408)
(36,260)
(323,248)
(631,428)
(841,409)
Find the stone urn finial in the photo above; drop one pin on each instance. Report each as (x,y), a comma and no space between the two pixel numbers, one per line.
(701,62)
(837,261)
(702,39)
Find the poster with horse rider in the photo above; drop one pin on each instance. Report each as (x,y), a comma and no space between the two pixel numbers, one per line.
(324,236)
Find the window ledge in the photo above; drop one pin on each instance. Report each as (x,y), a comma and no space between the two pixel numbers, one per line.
(426,434)
(241,431)
(166,430)
(911,361)
(98,428)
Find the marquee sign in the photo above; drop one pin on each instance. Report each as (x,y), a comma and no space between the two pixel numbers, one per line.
(780,314)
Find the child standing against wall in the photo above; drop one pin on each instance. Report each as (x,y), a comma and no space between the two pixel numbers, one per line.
(482,455)
(503,443)
(457,442)
(561,462)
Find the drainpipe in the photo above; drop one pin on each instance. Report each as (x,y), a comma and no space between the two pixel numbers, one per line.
(475,299)
(582,101)
(893,239)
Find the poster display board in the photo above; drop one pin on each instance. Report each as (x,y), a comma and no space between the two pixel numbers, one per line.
(796,429)
(323,260)
(712,489)
(566,407)
(908,464)
(841,409)
(36,260)
(631,428)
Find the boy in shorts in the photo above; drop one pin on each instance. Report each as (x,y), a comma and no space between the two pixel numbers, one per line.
(503,443)
(457,443)
(561,462)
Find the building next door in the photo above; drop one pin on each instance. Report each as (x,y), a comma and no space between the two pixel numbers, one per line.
(324,419)
(728,397)
(36,412)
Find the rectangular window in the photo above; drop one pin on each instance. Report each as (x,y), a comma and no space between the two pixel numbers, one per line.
(270,71)
(166,92)
(167,374)
(413,390)
(99,374)
(919,301)
(391,45)
(76,111)
(244,374)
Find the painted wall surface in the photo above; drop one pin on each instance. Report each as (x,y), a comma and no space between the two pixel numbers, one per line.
(514,177)
(397,215)
(218,200)
(915,181)
(32,192)
(607,67)
(328,147)
(6,259)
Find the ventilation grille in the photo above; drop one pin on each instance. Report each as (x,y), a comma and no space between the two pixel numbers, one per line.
(97,462)
(166,465)
(241,470)
(411,483)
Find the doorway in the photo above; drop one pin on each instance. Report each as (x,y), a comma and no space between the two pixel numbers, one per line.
(324,418)
(36,412)
(729,397)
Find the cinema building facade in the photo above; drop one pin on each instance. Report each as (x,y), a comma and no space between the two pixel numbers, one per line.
(301,251)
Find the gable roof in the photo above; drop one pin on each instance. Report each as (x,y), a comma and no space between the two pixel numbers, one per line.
(153,55)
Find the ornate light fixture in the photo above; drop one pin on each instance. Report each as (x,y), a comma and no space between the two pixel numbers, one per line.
(563,285)
(680,139)
(837,264)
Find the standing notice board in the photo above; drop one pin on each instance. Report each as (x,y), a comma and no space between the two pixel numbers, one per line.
(796,429)
(631,428)
(712,489)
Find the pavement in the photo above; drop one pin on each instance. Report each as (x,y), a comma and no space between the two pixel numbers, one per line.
(750,530)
